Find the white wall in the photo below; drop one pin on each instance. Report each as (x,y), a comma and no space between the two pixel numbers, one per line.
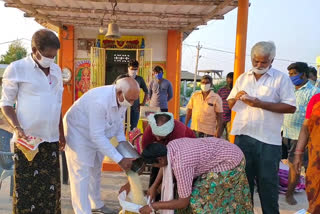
(155,39)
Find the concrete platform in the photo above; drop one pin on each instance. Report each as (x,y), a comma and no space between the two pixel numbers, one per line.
(111,183)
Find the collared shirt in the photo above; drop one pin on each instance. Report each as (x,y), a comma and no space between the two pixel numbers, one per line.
(204,112)
(179,131)
(160,93)
(143,86)
(292,123)
(224,93)
(263,125)
(191,158)
(38,104)
(92,121)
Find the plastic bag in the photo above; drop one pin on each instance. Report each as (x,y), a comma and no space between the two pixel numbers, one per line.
(126,205)
(129,207)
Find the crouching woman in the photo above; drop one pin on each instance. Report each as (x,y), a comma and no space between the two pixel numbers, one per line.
(209,173)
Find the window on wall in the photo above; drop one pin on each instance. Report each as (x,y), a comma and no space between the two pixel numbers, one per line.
(117,63)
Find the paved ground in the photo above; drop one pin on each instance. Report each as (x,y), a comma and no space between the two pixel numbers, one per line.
(111,183)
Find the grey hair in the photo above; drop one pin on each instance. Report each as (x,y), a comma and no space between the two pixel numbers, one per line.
(264,49)
(122,84)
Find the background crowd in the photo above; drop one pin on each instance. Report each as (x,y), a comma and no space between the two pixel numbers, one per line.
(277,116)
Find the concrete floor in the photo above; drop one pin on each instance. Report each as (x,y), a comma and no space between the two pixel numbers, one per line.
(111,182)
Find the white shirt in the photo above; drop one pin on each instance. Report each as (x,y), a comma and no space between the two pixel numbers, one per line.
(38,104)
(92,121)
(263,125)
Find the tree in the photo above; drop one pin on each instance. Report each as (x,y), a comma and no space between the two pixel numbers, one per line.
(15,52)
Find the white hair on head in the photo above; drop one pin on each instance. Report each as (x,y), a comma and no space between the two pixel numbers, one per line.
(264,49)
(123,85)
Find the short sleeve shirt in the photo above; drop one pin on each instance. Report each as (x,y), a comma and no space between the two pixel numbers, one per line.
(143,86)
(224,93)
(160,93)
(204,112)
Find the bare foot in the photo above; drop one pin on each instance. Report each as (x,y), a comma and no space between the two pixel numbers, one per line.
(291,200)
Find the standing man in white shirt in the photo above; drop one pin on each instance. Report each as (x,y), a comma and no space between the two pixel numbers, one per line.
(34,84)
(90,123)
(260,97)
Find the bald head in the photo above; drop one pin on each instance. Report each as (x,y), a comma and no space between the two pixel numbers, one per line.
(127,88)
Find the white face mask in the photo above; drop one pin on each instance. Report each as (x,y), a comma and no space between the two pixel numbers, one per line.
(260,71)
(205,87)
(125,102)
(132,73)
(45,62)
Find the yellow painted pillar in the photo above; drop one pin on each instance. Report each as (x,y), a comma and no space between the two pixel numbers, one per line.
(241,43)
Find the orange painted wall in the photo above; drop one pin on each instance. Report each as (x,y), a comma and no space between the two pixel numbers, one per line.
(66,60)
(174,45)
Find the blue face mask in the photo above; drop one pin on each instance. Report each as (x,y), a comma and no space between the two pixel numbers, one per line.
(296,80)
(159,76)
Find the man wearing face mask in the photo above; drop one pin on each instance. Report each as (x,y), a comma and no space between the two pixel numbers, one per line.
(90,123)
(292,123)
(160,90)
(205,108)
(162,128)
(261,97)
(34,84)
(133,68)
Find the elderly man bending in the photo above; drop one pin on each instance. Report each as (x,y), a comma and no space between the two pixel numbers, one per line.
(90,124)
(261,97)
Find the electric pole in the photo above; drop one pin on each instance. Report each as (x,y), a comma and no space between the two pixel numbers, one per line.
(196,70)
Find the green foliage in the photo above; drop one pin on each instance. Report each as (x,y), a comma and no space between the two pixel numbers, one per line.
(219,85)
(15,52)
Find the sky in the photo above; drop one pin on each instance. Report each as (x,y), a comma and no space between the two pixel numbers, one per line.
(293,25)
(15,26)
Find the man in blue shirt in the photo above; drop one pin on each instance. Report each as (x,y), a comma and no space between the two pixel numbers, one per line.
(292,123)
(160,90)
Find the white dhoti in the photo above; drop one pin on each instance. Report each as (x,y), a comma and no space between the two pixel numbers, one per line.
(84,167)
(89,125)
(85,183)
(84,161)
